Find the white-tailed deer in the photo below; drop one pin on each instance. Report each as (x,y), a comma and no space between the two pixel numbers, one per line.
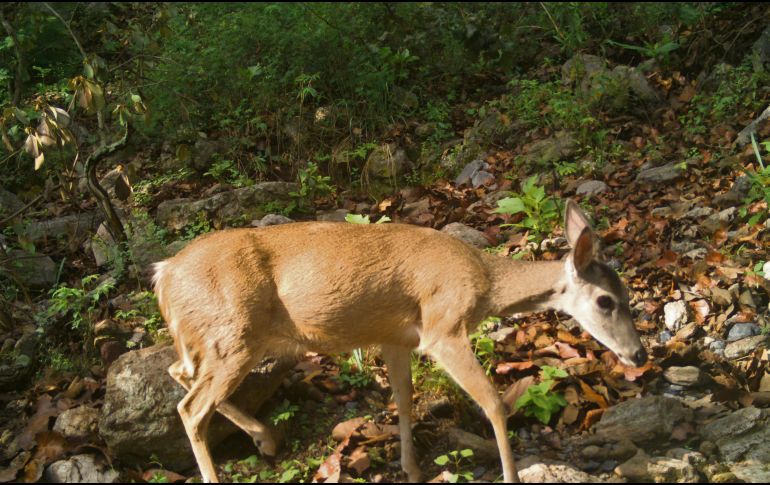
(232,297)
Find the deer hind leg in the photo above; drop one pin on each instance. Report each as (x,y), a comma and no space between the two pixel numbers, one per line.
(454,354)
(259,433)
(400,375)
(214,384)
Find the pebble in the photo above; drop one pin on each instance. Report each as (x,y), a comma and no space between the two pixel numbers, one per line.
(743,330)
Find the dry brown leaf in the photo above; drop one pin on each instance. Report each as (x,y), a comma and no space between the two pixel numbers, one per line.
(566,351)
(506,367)
(37,423)
(592,396)
(515,391)
(592,417)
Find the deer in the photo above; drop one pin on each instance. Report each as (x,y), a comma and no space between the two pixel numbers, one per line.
(236,296)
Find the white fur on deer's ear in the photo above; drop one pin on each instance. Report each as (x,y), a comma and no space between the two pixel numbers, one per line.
(574,223)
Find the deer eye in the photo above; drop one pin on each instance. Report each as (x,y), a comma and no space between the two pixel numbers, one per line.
(605,303)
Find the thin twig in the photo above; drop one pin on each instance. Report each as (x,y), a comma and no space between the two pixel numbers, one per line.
(67,25)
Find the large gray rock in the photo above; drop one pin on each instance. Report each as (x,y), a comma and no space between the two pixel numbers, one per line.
(139,416)
(642,419)
(614,89)
(74,228)
(9,203)
(467,234)
(387,161)
(244,202)
(80,469)
(744,435)
(561,146)
(34,270)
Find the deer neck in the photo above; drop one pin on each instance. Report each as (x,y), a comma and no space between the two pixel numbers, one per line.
(523,286)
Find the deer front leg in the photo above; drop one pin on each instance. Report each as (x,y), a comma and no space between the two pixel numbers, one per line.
(454,354)
(400,375)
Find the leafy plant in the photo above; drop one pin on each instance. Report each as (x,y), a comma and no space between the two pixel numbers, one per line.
(458,458)
(483,346)
(359,219)
(540,400)
(78,303)
(284,413)
(354,372)
(200,225)
(541,212)
(312,186)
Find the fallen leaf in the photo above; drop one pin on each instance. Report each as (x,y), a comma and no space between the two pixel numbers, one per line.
(592,417)
(515,391)
(592,396)
(38,422)
(506,367)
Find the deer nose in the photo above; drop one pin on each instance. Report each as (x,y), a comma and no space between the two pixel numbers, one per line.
(640,357)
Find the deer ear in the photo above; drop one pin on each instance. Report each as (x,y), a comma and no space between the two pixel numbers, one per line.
(575,222)
(583,250)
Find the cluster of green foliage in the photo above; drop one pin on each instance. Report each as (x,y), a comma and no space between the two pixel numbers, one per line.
(541,212)
(539,400)
(460,459)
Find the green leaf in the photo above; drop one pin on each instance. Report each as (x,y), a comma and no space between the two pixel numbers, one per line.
(383,220)
(357,219)
(441,460)
(466,453)
(509,205)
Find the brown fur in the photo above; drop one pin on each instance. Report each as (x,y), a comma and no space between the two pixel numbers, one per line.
(233,297)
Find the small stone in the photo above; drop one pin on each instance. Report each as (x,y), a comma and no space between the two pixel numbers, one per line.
(623,450)
(658,175)
(337,215)
(743,347)
(593,452)
(723,477)
(675,314)
(467,234)
(77,423)
(634,469)
(743,330)
(708,448)
(272,220)
(664,336)
(592,187)
(718,347)
(80,469)
(483,449)
(688,456)
(683,376)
